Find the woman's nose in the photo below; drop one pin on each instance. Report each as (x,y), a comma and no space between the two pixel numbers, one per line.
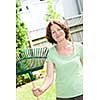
(57,32)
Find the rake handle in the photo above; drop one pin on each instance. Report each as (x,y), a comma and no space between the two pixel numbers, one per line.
(37,98)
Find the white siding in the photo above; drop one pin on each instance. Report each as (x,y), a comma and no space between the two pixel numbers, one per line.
(34,16)
(70,8)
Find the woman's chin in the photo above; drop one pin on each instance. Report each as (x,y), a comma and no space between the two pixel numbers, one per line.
(59,41)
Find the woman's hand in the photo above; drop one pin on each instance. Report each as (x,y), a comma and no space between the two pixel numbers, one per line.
(37,91)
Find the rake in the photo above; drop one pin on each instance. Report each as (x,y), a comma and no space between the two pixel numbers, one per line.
(31,60)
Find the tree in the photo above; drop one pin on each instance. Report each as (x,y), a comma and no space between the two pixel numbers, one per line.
(21,30)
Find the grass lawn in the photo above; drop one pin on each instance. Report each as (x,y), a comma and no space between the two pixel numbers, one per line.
(25,92)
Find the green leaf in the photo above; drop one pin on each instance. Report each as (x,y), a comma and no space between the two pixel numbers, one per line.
(21,30)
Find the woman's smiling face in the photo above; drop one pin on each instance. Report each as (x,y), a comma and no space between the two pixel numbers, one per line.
(57,33)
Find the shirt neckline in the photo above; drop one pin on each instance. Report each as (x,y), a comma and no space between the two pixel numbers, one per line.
(67,56)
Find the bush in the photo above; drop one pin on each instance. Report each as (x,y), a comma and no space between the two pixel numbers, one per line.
(21,30)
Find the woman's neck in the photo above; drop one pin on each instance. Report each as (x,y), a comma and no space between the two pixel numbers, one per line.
(65,48)
(64,44)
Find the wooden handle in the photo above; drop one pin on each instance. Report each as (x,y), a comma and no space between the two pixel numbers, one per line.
(33,85)
(37,98)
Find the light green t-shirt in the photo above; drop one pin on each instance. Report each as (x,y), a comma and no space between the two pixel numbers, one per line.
(69,72)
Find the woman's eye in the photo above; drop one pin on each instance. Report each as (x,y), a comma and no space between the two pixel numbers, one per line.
(52,32)
(59,29)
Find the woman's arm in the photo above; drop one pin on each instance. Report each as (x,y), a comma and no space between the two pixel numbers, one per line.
(47,82)
(81,60)
(49,77)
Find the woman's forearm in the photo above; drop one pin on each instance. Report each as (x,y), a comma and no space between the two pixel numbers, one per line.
(47,83)
(49,77)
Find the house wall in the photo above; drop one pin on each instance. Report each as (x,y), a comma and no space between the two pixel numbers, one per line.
(33,17)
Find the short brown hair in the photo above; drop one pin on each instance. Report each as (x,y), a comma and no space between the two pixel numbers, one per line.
(62,25)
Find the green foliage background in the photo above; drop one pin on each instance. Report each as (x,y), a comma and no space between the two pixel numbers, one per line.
(51,12)
(21,30)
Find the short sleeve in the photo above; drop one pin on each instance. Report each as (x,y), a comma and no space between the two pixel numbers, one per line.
(79,49)
(49,56)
